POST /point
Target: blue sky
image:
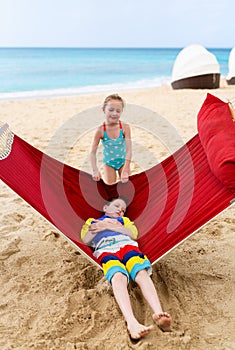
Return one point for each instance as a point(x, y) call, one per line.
point(122, 23)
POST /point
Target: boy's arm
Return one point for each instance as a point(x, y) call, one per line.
point(86, 235)
point(130, 228)
point(92, 227)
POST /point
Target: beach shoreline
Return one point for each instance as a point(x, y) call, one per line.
point(54, 298)
point(81, 91)
point(93, 90)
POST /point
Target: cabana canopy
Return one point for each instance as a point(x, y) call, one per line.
point(192, 63)
point(231, 68)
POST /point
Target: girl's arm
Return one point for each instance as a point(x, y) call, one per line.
point(126, 167)
point(95, 171)
point(127, 133)
point(232, 111)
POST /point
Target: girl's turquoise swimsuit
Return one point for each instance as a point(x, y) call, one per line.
point(114, 153)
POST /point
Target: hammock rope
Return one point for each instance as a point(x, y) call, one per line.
point(6, 140)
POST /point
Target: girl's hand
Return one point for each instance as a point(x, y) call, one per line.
point(96, 176)
point(125, 175)
point(232, 111)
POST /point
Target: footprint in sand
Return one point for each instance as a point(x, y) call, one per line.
point(11, 222)
point(12, 219)
point(9, 248)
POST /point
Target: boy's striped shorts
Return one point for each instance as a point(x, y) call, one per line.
point(129, 260)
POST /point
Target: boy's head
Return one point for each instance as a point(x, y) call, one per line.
point(115, 207)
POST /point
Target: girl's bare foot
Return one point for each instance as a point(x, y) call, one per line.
point(137, 330)
point(163, 321)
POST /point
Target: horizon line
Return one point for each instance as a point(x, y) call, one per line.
point(107, 47)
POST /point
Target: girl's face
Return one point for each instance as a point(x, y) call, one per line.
point(116, 208)
point(113, 111)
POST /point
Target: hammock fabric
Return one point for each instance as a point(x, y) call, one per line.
point(168, 202)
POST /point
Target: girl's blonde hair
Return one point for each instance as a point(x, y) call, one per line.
point(113, 97)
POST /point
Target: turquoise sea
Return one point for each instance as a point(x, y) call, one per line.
point(35, 72)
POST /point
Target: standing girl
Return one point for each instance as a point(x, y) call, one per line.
point(116, 139)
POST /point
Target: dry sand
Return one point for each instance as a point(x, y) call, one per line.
point(54, 298)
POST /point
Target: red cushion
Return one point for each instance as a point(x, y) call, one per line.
point(217, 134)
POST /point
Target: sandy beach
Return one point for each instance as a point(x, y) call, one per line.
point(52, 297)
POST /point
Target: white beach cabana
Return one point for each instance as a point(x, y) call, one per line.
point(231, 68)
point(195, 68)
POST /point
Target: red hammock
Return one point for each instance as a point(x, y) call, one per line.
point(168, 202)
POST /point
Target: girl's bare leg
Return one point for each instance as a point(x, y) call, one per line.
point(162, 319)
point(110, 176)
point(119, 285)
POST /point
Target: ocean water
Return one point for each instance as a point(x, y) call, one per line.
point(35, 72)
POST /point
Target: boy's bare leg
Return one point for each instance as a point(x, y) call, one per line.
point(135, 329)
point(162, 319)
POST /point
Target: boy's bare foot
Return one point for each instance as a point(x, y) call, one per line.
point(163, 321)
point(137, 330)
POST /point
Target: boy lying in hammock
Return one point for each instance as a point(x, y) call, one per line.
point(113, 238)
